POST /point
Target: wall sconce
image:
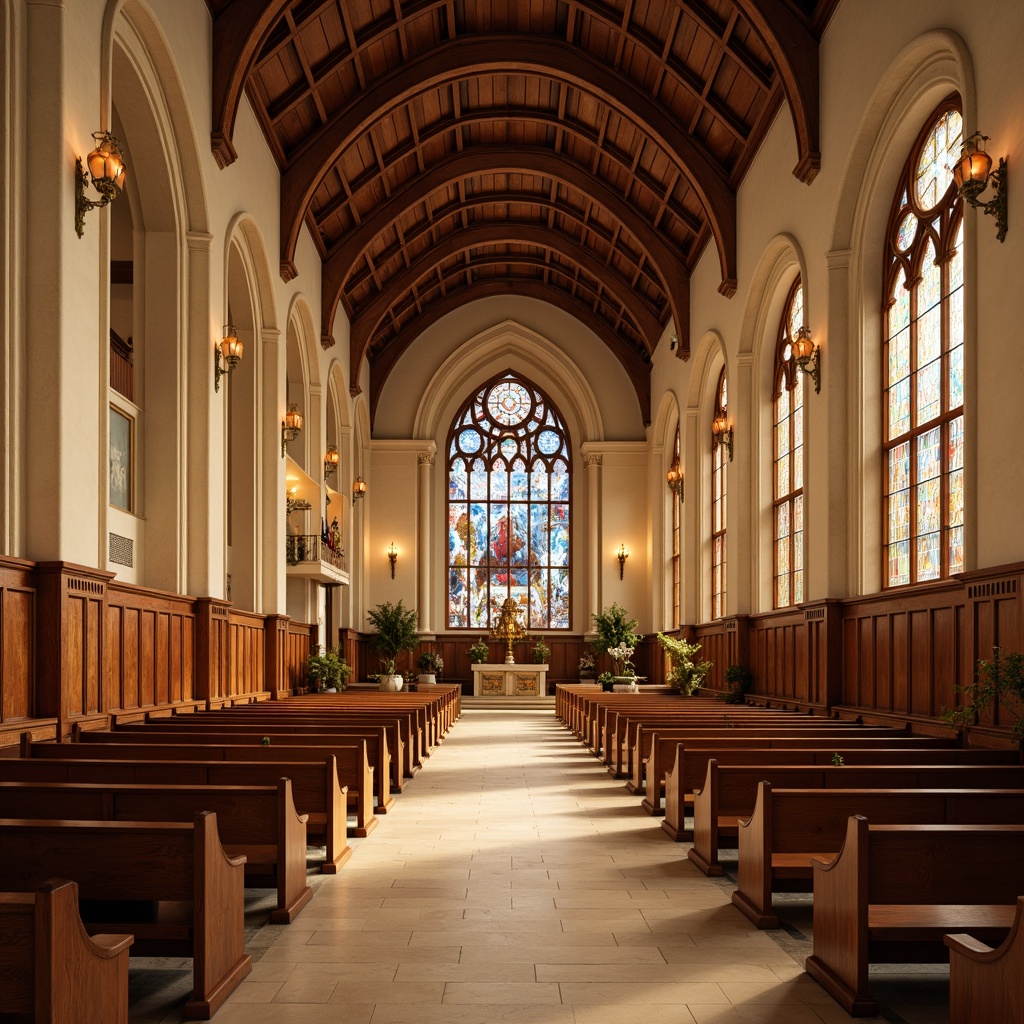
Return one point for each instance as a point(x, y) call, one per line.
point(622, 556)
point(358, 489)
point(231, 348)
point(291, 426)
point(806, 355)
point(331, 460)
point(972, 174)
point(107, 169)
point(721, 434)
point(674, 479)
point(392, 557)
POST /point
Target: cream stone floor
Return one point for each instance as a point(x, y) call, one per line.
point(515, 881)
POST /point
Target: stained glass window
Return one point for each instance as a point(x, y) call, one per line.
point(676, 524)
point(508, 508)
point(719, 494)
point(788, 458)
point(923, 363)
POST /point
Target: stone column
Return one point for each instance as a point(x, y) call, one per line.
point(424, 576)
point(593, 461)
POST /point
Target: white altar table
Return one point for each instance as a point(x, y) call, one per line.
point(504, 680)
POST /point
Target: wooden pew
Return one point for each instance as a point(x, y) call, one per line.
point(662, 749)
point(306, 717)
point(375, 739)
point(51, 971)
point(351, 763)
point(894, 892)
point(642, 749)
point(691, 765)
point(790, 827)
point(730, 786)
point(190, 892)
point(219, 723)
point(259, 823)
point(987, 984)
point(315, 788)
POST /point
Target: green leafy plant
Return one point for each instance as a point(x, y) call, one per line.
point(614, 628)
point(265, 742)
point(607, 681)
point(837, 760)
point(997, 682)
point(327, 669)
point(479, 652)
point(430, 662)
point(541, 653)
point(740, 681)
point(685, 674)
point(395, 627)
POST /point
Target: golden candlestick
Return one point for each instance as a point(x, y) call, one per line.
point(508, 629)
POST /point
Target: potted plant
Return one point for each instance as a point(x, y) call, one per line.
point(998, 683)
point(740, 681)
point(430, 664)
point(587, 667)
point(616, 632)
point(607, 681)
point(395, 631)
point(685, 674)
point(541, 652)
point(479, 652)
point(327, 670)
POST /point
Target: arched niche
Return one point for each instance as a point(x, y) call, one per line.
point(149, 302)
point(668, 509)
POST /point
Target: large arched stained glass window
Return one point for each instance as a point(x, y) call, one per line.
point(788, 476)
point(508, 508)
point(923, 363)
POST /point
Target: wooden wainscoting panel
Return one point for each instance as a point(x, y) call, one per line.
point(17, 640)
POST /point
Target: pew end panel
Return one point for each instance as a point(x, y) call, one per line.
point(987, 983)
point(705, 821)
point(51, 971)
point(221, 962)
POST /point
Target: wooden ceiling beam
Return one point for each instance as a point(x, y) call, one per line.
point(456, 167)
point(549, 203)
point(367, 318)
point(637, 370)
point(239, 32)
point(794, 51)
point(490, 54)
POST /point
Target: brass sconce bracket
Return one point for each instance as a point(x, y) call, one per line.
point(291, 427)
point(331, 460)
point(107, 168)
point(674, 480)
point(622, 555)
point(358, 489)
point(392, 558)
point(722, 435)
point(973, 174)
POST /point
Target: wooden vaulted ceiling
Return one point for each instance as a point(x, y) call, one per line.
point(581, 151)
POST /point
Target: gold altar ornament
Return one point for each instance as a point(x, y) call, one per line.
point(508, 628)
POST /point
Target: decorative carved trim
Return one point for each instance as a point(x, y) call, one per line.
point(592, 459)
point(425, 458)
point(993, 588)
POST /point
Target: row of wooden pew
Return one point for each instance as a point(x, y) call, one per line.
point(161, 824)
point(913, 846)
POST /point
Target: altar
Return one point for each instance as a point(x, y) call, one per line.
point(509, 680)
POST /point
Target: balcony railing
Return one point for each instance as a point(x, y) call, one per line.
point(309, 547)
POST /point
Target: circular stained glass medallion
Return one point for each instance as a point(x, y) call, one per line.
point(509, 403)
point(549, 442)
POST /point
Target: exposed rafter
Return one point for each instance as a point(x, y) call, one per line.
point(487, 55)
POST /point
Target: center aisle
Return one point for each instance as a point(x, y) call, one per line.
point(514, 881)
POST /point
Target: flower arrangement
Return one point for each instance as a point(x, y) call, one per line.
point(607, 681)
point(430, 662)
point(621, 656)
point(587, 666)
point(479, 652)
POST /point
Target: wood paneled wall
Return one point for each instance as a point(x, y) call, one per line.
point(79, 648)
